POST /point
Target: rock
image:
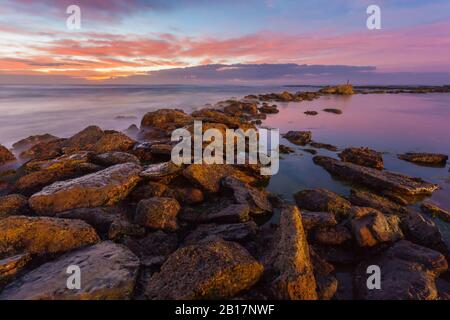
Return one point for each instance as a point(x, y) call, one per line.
point(311, 151)
point(211, 270)
point(332, 236)
point(285, 96)
point(186, 195)
point(146, 190)
point(113, 142)
point(166, 119)
point(209, 176)
point(363, 157)
point(99, 218)
point(237, 232)
point(160, 170)
point(368, 199)
point(42, 235)
point(132, 131)
point(327, 284)
point(322, 200)
point(11, 266)
point(343, 89)
point(376, 179)
point(47, 172)
point(103, 188)
point(326, 146)
point(408, 272)
point(299, 137)
point(122, 228)
point(269, 109)
point(31, 141)
point(427, 207)
point(234, 213)
point(45, 150)
point(370, 227)
point(13, 204)
point(311, 113)
point(332, 110)
point(289, 260)
point(154, 244)
point(420, 229)
point(217, 116)
point(84, 140)
point(243, 193)
point(108, 272)
point(425, 158)
point(108, 159)
point(285, 149)
point(313, 220)
point(161, 149)
point(5, 155)
point(158, 213)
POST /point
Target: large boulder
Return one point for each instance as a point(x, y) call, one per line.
point(108, 272)
point(42, 235)
point(363, 157)
point(370, 227)
point(116, 141)
point(408, 272)
point(5, 155)
point(322, 200)
point(83, 140)
point(44, 150)
point(103, 188)
point(13, 204)
point(31, 141)
point(210, 270)
point(288, 260)
point(166, 119)
point(158, 213)
point(376, 179)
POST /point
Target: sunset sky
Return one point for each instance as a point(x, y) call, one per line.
point(133, 41)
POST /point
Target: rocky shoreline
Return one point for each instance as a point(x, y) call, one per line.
point(142, 227)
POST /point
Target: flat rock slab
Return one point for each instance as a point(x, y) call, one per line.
point(41, 235)
point(103, 188)
point(108, 271)
point(363, 157)
point(211, 270)
point(425, 158)
point(435, 210)
point(376, 179)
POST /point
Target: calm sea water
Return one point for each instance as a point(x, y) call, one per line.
point(391, 124)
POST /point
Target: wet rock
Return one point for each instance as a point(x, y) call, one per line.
point(243, 193)
point(370, 227)
point(368, 199)
point(211, 270)
point(148, 189)
point(288, 260)
point(313, 220)
point(217, 116)
point(285, 149)
point(47, 172)
point(99, 218)
point(108, 159)
point(376, 179)
point(332, 110)
point(108, 272)
point(269, 109)
point(142, 152)
point(237, 232)
point(31, 141)
point(299, 137)
point(121, 227)
point(13, 204)
point(42, 235)
point(425, 158)
point(408, 272)
point(45, 150)
point(422, 230)
point(166, 119)
point(363, 157)
point(103, 188)
point(160, 170)
point(427, 207)
point(5, 155)
point(209, 176)
point(322, 200)
point(83, 140)
point(158, 213)
point(116, 141)
point(332, 236)
point(343, 89)
point(11, 266)
point(326, 146)
point(311, 113)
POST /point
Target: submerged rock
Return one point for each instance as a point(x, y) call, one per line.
point(103, 188)
point(363, 157)
point(322, 200)
point(319, 145)
point(425, 158)
point(42, 235)
point(5, 155)
point(376, 179)
point(332, 110)
point(408, 272)
point(285, 149)
point(433, 209)
point(210, 270)
point(13, 204)
point(301, 138)
point(108, 272)
point(311, 113)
